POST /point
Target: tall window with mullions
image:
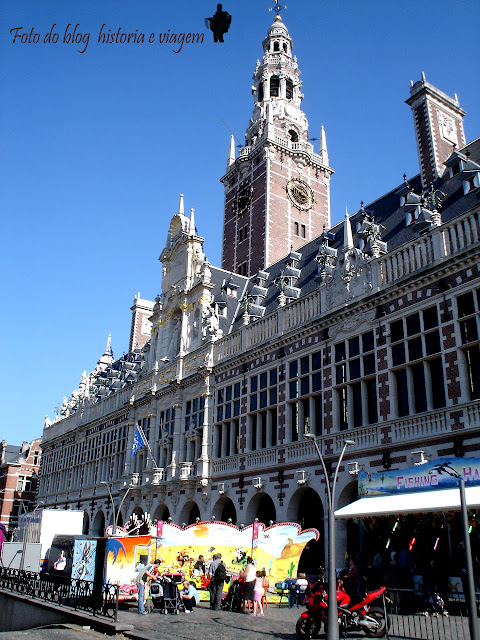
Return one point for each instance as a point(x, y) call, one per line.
point(262, 422)
point(468, 308)
point(355, 382)
point(305, 395)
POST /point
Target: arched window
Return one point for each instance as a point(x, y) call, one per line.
point(289, 89)
point(276, 46)
point(260, 92)
point(293, 135)
point(285, 48)
point(274, 86)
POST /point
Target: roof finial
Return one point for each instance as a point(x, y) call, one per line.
point(277, 9)
point(347, 233)
point(231, 151)
point(180, 206)
point(323, 153)
point(192, 230)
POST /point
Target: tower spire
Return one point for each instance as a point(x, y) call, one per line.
point(270, 212)
point(107, 357)
point(108, 348)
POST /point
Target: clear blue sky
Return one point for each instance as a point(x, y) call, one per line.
point(97, 146)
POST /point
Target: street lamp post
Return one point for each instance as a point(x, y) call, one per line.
point(116, 513)
point(332, 614)
point(470, 584)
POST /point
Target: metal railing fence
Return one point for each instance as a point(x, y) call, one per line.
point(83, 595)
point(420, 616)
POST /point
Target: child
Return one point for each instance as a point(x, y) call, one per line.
point(265, 585)
point(258, 594)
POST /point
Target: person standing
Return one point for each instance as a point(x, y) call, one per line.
point(249, 576)
point(143, 574)
point(258, 594)
point(265, 585)
point(217, 572)
point(298, 590)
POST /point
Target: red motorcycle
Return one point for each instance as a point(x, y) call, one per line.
point(350, 616)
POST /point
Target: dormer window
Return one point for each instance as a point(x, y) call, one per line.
point(471, 183)
point(276, 46)
point(274, 86)
point(455, 168)
point(289, 89)
point(412, 215)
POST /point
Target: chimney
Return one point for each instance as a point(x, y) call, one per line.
point(438, 121)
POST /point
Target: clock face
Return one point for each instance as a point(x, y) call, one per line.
point(300, 194)
point(243, 198)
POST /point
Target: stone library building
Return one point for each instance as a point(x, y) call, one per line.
point(306, 336)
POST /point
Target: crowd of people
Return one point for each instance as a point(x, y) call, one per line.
point(369, 569)
point(253, 583)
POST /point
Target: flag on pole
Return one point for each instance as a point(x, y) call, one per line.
point(138, 442)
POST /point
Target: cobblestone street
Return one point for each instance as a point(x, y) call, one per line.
point(278, 622)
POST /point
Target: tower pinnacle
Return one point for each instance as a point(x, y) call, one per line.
point(231, 151)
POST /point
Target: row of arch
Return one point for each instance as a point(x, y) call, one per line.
point(304, 507)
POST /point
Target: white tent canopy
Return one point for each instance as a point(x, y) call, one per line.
point(410, 502)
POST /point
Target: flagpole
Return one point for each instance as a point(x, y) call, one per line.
point(147, 445)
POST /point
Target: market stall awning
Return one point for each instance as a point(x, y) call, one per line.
point(410, 502)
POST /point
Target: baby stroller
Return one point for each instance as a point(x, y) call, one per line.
point(165, 595)
point(435, 605)
point(233, 599)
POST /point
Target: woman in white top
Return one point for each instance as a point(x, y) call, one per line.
point(249, 576)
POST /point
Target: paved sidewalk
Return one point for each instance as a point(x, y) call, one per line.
point(204, 624)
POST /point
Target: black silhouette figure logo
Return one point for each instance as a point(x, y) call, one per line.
point(219, 23)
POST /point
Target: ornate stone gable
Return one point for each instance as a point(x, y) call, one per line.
point(352, 278)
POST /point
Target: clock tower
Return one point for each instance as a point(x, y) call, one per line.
point(277, 191)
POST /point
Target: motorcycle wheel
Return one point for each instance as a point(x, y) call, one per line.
point(307, 629)
point(381, 629)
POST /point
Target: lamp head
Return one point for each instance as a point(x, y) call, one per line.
point(350, 442)
point(309, 436)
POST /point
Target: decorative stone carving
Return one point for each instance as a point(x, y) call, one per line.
point(325, 257)
point(448, 130)
point(351, 323)
point(372, 235)
point(352, 278)
point(210, 323)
